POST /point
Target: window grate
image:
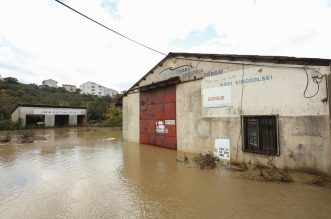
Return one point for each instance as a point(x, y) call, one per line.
point(260, 134)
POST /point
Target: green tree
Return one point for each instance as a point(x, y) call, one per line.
point(12, 93)
point(10, 80)
point(114, 116)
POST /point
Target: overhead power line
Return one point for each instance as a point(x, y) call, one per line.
point(108, 28)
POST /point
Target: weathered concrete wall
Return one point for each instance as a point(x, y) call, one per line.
point(72, 119)
point(49, 120)
point(131, 117)
point(15, 115)
point(193, 132)
point(304, 140)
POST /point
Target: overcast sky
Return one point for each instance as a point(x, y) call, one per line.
point(41, 39)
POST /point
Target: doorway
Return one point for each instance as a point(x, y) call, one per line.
point(158, 117)
point(61, 120)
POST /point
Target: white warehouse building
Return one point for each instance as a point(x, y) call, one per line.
point(246, 108)
point(96, 89)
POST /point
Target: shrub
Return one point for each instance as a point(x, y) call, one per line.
point(114, 116)
point(7, 125)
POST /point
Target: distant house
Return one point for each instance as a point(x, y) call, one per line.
point(96, 89)
point(69, 87)
point(50, 83)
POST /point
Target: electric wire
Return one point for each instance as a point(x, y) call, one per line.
point(211, 61)
point(241, 107)
point(108, 28)
point(320, 80)
point(202, 60)
point(316, 71)
point(196, 67)
point(315, 80)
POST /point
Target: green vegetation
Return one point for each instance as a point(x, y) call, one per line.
point(113, 116)
point(100, 110)
point(7, 124)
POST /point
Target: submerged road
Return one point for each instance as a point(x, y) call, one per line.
point(93, 173)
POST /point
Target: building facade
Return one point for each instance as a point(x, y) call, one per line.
point(244, 108)
point(28, 115)
point(69, 87)
point(50, 83)
point(96, 89)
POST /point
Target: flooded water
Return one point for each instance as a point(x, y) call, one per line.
point(93, 173)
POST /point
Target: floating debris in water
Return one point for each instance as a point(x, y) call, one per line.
point(241, 167)
point(39, 138)
point(271, 173)
point(26, 137)
point(183, 160)
point(320, 181)
point(209, 161)
point(5, 139)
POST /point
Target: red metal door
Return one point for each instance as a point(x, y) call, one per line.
point(158, 117)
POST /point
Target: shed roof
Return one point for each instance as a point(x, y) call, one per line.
point(289, 60)
point(46, 106)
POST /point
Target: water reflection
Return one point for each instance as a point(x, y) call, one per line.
point(93, 173)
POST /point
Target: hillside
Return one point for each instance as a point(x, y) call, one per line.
point(99, 109)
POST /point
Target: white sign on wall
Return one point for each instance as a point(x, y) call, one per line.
point(222, 148)
point(55, 111)
point(216, 97)
point(170, 122)
point(160, 127)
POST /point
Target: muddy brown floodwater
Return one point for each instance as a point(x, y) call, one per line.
point(93, 173)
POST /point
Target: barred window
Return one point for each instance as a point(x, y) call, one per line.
point(260, 134)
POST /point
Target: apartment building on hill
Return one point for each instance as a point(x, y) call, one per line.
point(96, 89)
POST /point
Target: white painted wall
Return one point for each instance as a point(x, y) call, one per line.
point(282, 94)
point(49, 120)
point(69, 88)
point(131, 121)
point(50, 83)
point(72, 120)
